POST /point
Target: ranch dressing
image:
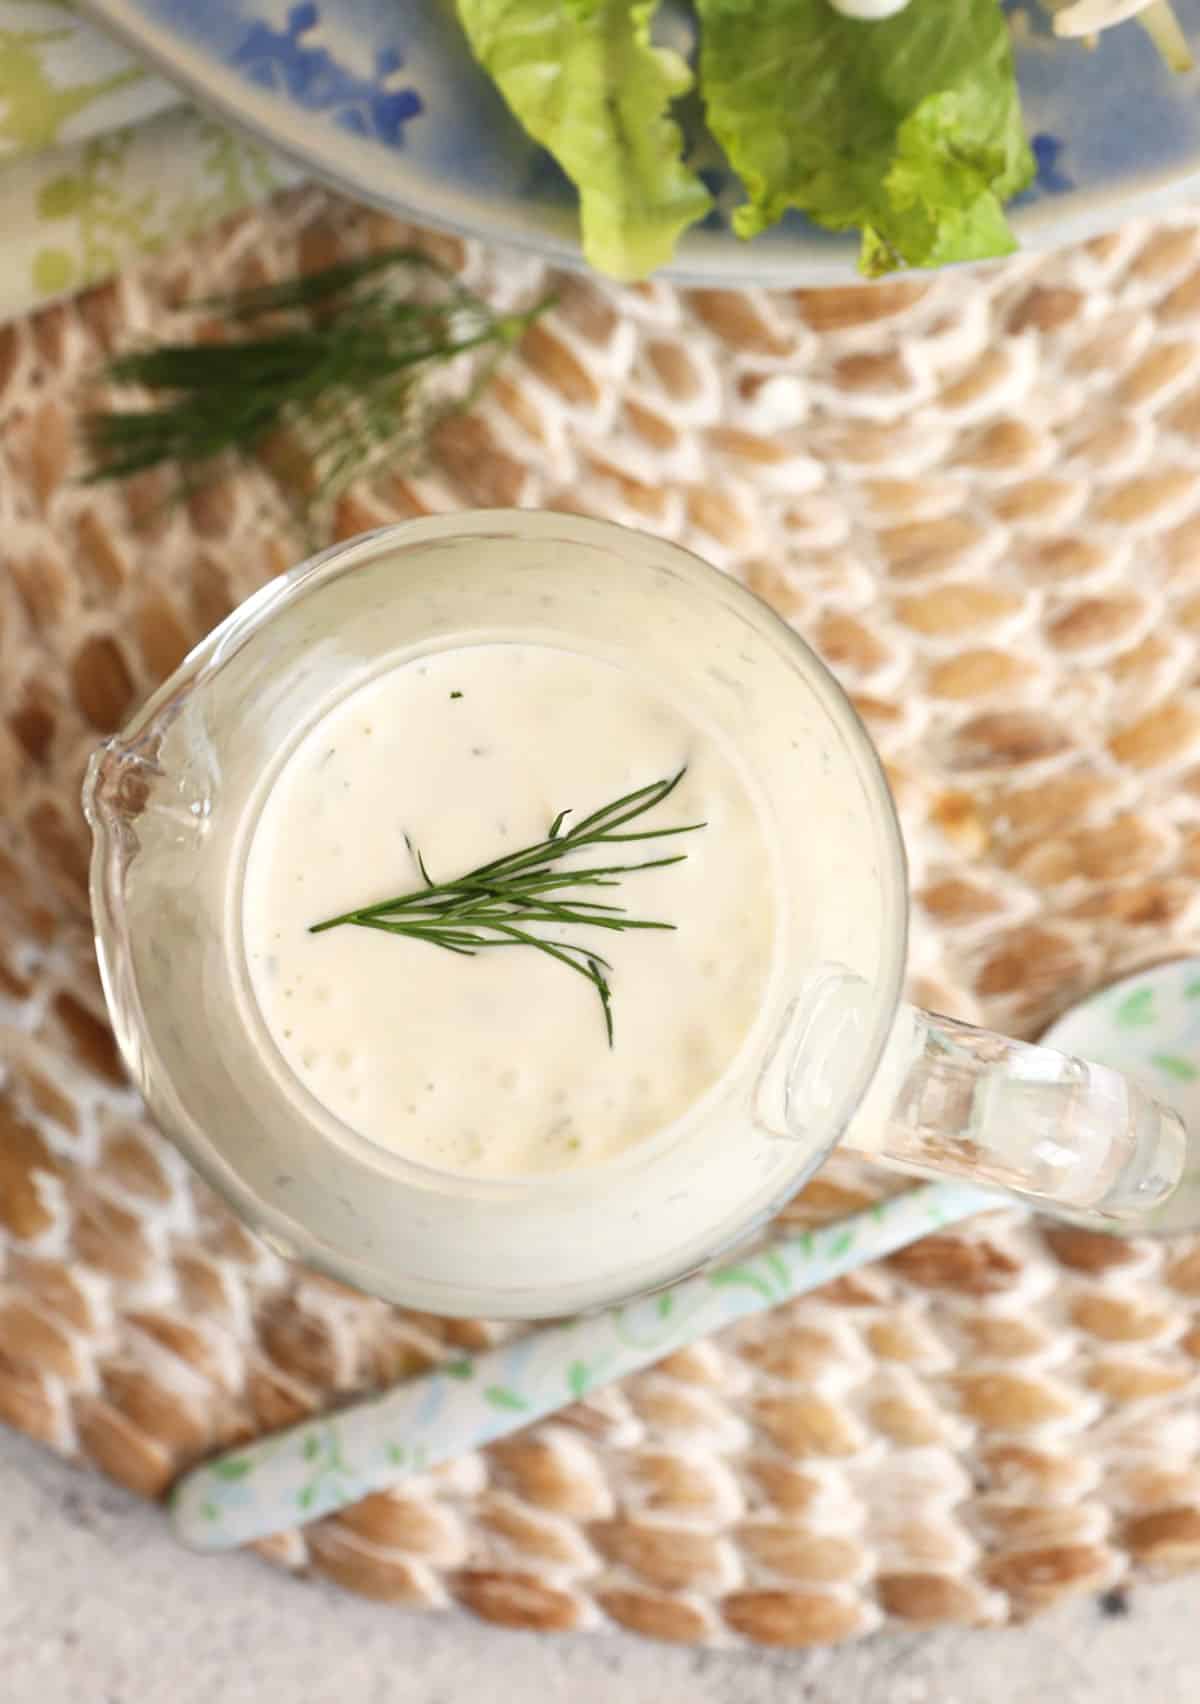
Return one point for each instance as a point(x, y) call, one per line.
point(690, 666)
point(868, 10)
point(499, 1065)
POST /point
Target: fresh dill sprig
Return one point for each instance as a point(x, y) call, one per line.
point(499, 903)
point(340, 360)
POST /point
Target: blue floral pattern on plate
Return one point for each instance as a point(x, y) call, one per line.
point(294, 65)
point(382, 97)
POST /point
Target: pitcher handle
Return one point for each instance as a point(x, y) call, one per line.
point(949, 1099)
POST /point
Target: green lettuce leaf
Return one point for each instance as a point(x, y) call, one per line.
point(908, 127)
point(584, 80)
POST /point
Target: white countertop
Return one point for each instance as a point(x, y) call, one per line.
point(98, 1605)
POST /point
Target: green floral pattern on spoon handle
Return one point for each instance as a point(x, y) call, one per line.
point(1148, 1026)
point(325, 1464)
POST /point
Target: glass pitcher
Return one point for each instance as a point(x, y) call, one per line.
point(834, 1054)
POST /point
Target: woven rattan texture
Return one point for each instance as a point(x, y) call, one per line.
point(980, 498)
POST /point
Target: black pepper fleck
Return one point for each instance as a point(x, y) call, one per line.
point(1114, 1604)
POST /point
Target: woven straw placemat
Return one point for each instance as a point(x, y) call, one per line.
point(979, 496)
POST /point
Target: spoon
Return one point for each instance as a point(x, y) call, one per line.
point(327, 1463)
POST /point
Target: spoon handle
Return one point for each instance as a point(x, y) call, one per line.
point(325, 1464)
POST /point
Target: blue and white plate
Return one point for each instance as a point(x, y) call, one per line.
point(381, 97)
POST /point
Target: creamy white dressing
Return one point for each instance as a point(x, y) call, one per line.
point(1089, 17)
point(1078, 18)
point(870, 9)
point(498, 1065)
